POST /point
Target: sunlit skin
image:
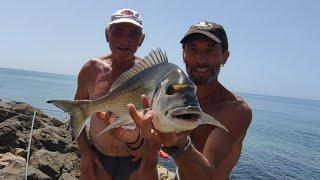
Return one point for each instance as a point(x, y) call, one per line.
point(124, 41)
point(214, 152)
point(95, 80)
point(203, 59)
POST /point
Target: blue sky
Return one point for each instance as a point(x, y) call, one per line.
point(274, 44)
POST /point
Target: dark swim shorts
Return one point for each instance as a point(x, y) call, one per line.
point(119, 168)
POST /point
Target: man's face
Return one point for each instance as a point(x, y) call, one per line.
point(124, 40)
point(203, 58)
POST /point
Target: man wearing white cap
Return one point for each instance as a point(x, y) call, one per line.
point(106, 157)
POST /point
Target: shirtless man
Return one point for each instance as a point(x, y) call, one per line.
point(213, 152)
point(106, 157)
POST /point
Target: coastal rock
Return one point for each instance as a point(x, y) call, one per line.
point(52, 155)
point(19, 152)
point(67, 176)
point(9, 158)
point(16, 171)
point(54, 163)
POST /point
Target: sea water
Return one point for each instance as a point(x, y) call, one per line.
point(283, 141)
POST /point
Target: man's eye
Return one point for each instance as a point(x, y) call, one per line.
point(116, 34)
point(134, 35)
point(193, 50)
point(211, 51)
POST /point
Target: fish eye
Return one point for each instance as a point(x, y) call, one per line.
point(170, 90)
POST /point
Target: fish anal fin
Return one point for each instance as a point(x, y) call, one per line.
point(208, 119)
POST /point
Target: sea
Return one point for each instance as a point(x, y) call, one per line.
point(282, 142)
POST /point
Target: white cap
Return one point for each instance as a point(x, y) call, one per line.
point(126, 15)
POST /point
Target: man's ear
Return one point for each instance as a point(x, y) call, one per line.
point(142, 39)
point(225, 56)
point(183, 56)
point(106, 33)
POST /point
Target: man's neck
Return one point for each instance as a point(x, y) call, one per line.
point(122, 64)
point(205, 91)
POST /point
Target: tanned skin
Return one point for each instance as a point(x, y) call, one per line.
point(214, 152)
point(94, 81)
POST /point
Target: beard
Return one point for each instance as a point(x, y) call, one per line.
point(214, 72)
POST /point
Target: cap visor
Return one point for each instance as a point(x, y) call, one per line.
point(209, 35)
point(126, 20)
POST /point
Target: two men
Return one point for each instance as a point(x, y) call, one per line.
point(211, 152)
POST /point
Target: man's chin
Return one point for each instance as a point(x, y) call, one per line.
point(199, 81)
point(125, 55)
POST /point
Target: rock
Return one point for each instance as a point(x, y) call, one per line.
point(54, 139)
point(10, 158)
point(13, 167)
point(17, 172)
point(11, 136)
point(19, 152)
point(26, 109)
point(52, 155)
point(165, 174)
point(55, 163)
point(66, 176)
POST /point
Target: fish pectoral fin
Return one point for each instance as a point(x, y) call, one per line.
point(207, 119)
point(131, 125)
point(123, 121)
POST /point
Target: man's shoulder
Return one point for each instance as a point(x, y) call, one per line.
point(235, 113)
point(235, 103)
point(96, 63)
point(93, 62)
point(239, 116)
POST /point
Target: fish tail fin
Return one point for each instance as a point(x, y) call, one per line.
point(207, 119)
point(79, 112)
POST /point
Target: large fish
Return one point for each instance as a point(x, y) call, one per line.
point(172, 93)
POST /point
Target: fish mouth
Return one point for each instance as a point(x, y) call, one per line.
point(189, 113)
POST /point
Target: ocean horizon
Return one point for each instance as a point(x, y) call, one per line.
point(282, 141)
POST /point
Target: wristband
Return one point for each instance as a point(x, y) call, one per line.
point(176, 151)
point(129, 143)
point(135, 148)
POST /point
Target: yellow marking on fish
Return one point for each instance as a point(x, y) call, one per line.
point(180, 87)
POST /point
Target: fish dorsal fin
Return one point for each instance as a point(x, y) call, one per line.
point(155, 57)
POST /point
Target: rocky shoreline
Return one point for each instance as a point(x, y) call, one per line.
point(52, 156)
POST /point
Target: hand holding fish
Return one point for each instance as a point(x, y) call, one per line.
point(149, 133)
point(122, 134)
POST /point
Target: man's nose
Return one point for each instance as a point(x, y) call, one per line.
point(124, 39)
point(201, 58)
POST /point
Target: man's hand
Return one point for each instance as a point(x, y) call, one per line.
point(124, 135)
point(144, 122)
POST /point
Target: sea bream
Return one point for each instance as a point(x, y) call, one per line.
point(172, 94)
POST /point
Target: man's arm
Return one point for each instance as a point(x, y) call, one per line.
point(81, 94)
point(193, 165)
point(90, 165)
point(221, 151)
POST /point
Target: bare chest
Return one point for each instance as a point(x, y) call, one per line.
point(200, 135)
point(102, 81)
